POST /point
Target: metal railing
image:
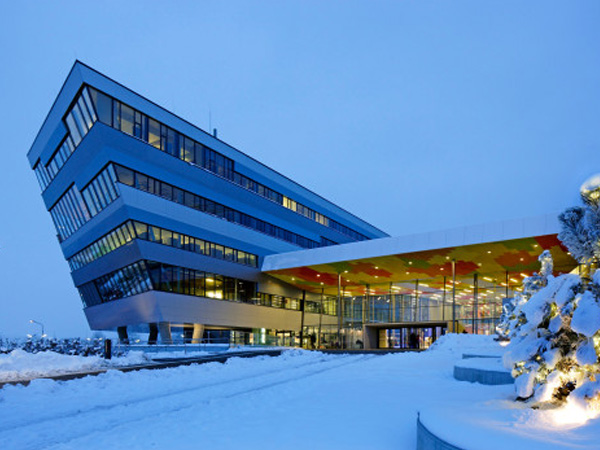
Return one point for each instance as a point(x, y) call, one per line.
point(211, 342)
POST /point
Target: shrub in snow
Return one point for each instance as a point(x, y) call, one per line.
point(80, 347)
point(554, 326)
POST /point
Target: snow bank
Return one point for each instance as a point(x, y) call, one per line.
point(473, 344)
point(19, 365)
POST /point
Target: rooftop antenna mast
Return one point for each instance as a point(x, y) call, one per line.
point(214, 130)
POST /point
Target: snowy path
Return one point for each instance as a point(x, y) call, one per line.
point(69, 419)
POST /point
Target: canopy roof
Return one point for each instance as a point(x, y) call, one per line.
point(401, 261)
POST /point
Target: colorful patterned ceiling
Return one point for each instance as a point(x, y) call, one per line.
point(518, 257)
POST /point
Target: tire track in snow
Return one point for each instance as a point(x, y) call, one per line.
point(37, 430)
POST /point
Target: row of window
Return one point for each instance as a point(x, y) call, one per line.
point(114, 239)
point(118, 115)
point(130, 280)
point(128, 120)
point(172, 193)
point(137, 230)
point(101, 191)
point(192, 244)
point(75, 208)
point(69, 213)
point(180, 280)
point(79, 121)
point(149, 275)
point(327, 305)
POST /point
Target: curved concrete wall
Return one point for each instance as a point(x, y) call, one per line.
point(426, 440)
point(490, 377)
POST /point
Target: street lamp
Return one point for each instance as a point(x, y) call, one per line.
point(40, 324)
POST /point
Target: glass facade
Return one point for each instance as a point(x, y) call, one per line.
point(143, 276)
point(153, 186)
point(137, 230)
point(73, 210)
point(125, 282)
point(128, 120)
point(476, 308)
point(326, 305)
point(101, 191)
point(79, 121)
point(181, 280)
point(106, 244)
point(69, 213)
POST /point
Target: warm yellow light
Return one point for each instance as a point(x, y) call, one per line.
point(524, 275)
point(571, 415)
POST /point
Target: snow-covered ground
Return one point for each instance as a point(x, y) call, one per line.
point(298, 400)
point(21, 365)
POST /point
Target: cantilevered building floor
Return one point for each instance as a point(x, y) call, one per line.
point(164, 225)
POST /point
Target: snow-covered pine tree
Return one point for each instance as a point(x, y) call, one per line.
point(555, 331)
point(512, 315)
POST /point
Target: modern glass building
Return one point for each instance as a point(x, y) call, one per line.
point(167, 228)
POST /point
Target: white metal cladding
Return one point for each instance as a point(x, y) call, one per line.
point(455, 237)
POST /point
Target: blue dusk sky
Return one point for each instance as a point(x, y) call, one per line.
point(414, 115)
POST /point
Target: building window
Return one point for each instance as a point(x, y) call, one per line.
point(79, 120)
point(69, 213)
